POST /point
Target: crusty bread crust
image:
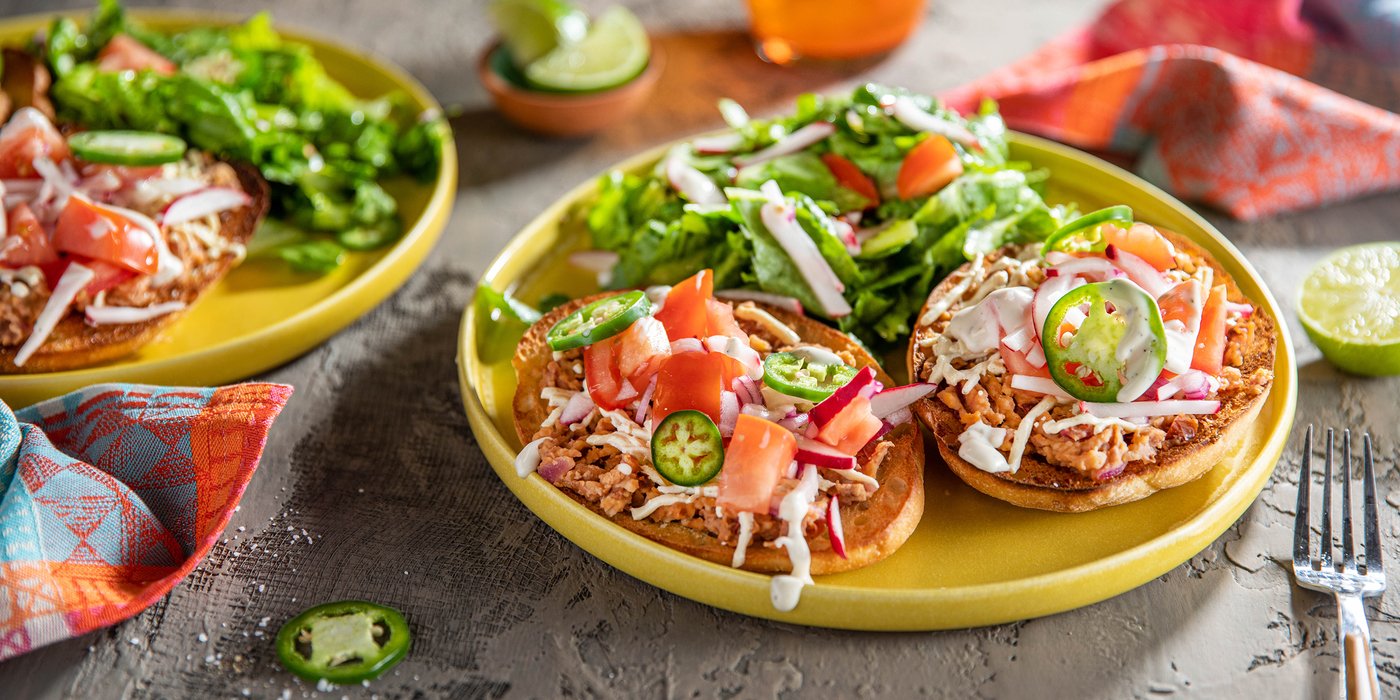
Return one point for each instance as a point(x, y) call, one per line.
point(873, 529)
point(1039, 484)
point(75, 344)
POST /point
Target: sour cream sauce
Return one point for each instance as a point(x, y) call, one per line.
point(980, 327)
point(786, 589)
point(978, 445)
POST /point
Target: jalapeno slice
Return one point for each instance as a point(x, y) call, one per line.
point(805, 377)
point(345, 642)
point(602, 319)
point(1104, 342)
point(1082, 234)
point(687, 448)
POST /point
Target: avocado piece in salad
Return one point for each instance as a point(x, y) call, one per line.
point(883, 256)
point(246, 93)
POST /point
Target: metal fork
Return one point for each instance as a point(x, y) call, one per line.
point(1347, 580)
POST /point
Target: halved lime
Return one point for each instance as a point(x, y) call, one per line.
point(533, 28)
point(1350, 306)
point(615, 51)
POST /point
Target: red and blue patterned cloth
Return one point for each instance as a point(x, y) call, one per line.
point(1256, 107)
point(111, 495)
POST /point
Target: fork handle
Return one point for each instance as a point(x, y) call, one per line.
point(1358, 666)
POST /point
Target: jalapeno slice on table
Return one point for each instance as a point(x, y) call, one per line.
point(1082, 234)
point(1104, 342)
point(687, 448)
point(602, 319)
point(805, 377)
point(345, 642)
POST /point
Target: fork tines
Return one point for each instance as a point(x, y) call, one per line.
point(1302, 533)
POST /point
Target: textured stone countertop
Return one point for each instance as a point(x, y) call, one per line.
point(372, 485)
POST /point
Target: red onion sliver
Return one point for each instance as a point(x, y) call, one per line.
point(692, 184)
point(578, 408)
point(911, 115)
point(646, 401)
point(728, 412)
point(556, 468)
point(792, 143)
point(203, 203)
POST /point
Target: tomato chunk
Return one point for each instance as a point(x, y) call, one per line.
point(1016, 363)
point(684, 314)
point(720, 321)
point(928, 168)
point(125, 53)
point(757, 456)
point(1209, 356)
point(606, 386)
point(97, 232)
point(27, 136)
point(850, 177)
point(690, 380)
point(1143, 241)
point(851, 427)
point(641, 350)
point(34, 247)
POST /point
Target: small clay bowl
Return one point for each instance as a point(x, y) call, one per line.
point(569, 114)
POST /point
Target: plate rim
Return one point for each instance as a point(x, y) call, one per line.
point(325, 317)
point(855, 607)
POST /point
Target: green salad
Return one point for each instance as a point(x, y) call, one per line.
point(245, 93)
point(892, 190)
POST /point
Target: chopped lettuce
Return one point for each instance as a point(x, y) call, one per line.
point(995, 202)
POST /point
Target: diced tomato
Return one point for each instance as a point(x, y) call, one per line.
point(688, 381)
point(27, 136)
point(684, 313)
point(125, 53)
point(1182, 303)
point(34, 246)
point(97, 232)
point(757, 456)
point(928, 168)
point(1016, 363)
point(1143, 241)
point(605, 382)
point(850, 177)
point(641, 349)
point(720, 321)
point(1210, 342)
point(846, 428)
point(105, 274)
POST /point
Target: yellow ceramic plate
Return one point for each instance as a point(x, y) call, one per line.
point(263, 314)
point(973, 560)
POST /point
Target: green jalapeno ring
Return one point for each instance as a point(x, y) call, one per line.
point(349, 650)
point(1095, 346)
point(687, 448)
point(1063, 238)
point(599, 320)
point(796, 376)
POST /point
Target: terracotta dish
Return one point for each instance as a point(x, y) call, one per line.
point(566, 114)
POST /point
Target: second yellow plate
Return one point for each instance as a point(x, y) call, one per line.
point(973, 560)
point(263, 314)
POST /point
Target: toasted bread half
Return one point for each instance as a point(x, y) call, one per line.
point(873, 529)
point(1039, 484)
point(75, 344)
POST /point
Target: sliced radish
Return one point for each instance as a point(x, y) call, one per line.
point(627, 391)
point(823, 455)
point(796, 423)
point(778, 300)
point(1019, 339)
point(103, 315)
point(645, 402)
point(203, 203)
point(1036, 356)
point(899, 417)
point(1139, 271)
point(728, 413)
point(1056, 257)
point(792, 143)
point(1046, 295)
point(1039, 385)
point(578, 408)
point(889, 401)
point(833, 526)
point(691, 183)
point(911, 115)
point(719, 143)
point(781, 221)
point(847, 236)
point(1148, 409)
point(1096, 269)
point(863, 382)
point(594, 260)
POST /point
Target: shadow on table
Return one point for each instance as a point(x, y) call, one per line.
point(701, 67)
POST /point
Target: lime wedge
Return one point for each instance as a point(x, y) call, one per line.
point(533, 28)
point(1350, 307)
point(615, 51)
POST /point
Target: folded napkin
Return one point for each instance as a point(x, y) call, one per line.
point(1209, 96)
point(111, 495)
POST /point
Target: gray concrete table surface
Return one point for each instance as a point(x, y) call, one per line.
point(372, 485)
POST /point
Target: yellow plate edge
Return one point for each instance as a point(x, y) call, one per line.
point(292, 337)
point(856, 608)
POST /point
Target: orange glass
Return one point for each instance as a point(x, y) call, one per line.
point(786, 30)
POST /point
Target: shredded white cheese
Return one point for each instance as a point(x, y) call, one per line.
point(624, 443)
point(553, 417)
point(748, 312)
point(706, 491)
point(556, 396)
